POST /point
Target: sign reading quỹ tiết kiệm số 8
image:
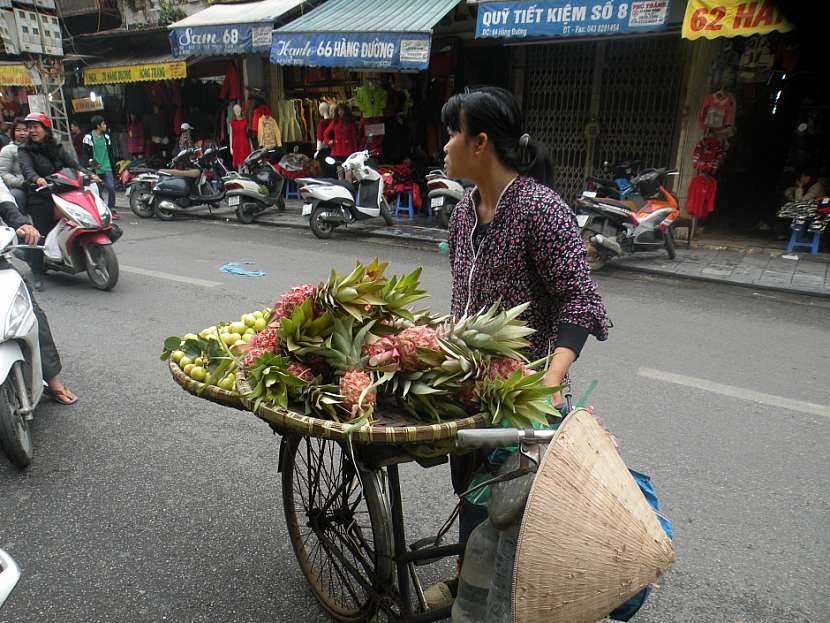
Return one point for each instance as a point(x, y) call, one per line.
point(135, 73)
point(709, 19)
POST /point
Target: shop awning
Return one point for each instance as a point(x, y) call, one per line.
point(15, 75)
point(135, 69)
point(709, 19)
point(362, 34)
point(558, 18)
point(224, 29)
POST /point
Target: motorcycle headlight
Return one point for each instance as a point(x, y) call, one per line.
point(78, 215)
point(19, 310)
point(103, 210)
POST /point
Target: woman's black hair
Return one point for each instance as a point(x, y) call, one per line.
point(19, 121)
point(495, 112)
point(348, 112)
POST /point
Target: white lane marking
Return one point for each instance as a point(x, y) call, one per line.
point(737, 392)
point(170, 277)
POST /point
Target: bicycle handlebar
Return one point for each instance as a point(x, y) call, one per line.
point(501, 437)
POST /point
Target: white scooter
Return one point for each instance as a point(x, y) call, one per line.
point(21, 379)
point(329, 203)
point(444, 194)
point(9, 575)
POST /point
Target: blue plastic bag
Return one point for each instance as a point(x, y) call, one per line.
point(627, 610)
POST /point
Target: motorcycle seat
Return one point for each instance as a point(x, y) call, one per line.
point(628, 205)
point(194, 173)
point(335, 182)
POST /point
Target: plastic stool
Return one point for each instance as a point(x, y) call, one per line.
point(797, 241)
point(408, 207)
point(291, 194)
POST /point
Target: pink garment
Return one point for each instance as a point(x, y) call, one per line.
point(230, 87)
point(717, 111)
point(135, 137)
point(240, 143)
point(344, 134)
point(700, 200)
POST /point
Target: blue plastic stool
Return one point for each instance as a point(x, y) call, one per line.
point(407, 207)
point(797, 241)
point(291, 194)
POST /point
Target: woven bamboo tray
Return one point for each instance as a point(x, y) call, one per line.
point(208, 392)
point(386, 429)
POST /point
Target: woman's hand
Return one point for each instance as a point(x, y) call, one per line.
point(41, 182)
point(96, 179)
point(29, 234)
point(560, 363)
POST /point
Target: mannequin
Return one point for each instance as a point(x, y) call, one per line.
point(325, 122)
point(240, 144)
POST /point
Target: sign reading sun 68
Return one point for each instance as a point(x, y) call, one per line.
point(732, 18)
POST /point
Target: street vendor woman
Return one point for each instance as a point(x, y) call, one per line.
point(512, 238)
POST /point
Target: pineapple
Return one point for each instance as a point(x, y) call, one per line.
point(355, 294)
point(292, 299)
point(410, 343)
point(493, 332)
point(522, 400)
point(271, 382)
point(302, 333)
point(356, 390)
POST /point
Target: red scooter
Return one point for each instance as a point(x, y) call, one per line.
point(83, 236)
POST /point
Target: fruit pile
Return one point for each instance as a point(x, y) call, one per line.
point(353, 344)
point(211, 357)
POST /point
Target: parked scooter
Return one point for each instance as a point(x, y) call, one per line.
point(21, 379)
point(83, 236)
point(616, 182)
point(181, 189)
point(9, 575)
point(329, 203)
point(643, 222)
point(140, 193)
point(258, 188)
point(444, 194)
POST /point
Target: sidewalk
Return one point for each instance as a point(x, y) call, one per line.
point(718, 262)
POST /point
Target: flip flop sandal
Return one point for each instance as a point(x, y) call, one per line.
point(61, 398)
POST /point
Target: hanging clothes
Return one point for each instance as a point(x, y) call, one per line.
point(135, 137)
point(700, 201)
point(717, 112)
point(230, 87)
point(257, 114)
point(344, 136)
point(708, 155)
point(371, 99)
point(268, 132)
point(239, 139)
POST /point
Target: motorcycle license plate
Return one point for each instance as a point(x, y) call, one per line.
point(581, 219)
point(306, 209)
point(436, 202)
point(590, 194)
point(233, 201)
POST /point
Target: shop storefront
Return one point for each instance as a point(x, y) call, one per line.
point(369, 66)
point(600, 81)
point(142, 98)
point(760, 117)
point(234, 41)
point(16, 85)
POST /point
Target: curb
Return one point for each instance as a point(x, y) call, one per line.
point(754, 286)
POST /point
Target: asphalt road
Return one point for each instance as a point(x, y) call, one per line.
point(146, 504)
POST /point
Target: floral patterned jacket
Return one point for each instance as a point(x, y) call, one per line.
point(533, 252)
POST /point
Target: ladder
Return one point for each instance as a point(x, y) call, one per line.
point(50, 71)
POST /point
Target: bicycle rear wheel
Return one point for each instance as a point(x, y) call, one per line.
point(341, 531)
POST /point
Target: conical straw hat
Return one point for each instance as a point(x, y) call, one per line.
point(589, 540)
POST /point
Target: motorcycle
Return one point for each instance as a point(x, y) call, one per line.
point(258, 188)
point(444, 194)
point(21, 379)
point(83, 236)
point(9, 575)
point(140, 193)
point(178, 190)
point(642, 222)
point(329, 203)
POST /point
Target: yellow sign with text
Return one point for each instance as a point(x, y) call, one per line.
point(709, 19)
point(15, 76)
point(135, 73)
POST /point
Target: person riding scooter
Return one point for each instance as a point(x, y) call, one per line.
point(40, 157)
point(49, 357)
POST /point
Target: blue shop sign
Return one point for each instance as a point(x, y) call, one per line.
point(221, 40)
point(390, 50)
point(558, 18)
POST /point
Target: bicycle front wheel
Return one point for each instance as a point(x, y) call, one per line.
point(340, 526)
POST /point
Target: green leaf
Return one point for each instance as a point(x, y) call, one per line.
point(172, 343)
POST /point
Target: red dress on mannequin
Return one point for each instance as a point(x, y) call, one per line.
point(239, 141)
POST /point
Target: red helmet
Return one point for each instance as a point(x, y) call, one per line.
point(40, 118)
